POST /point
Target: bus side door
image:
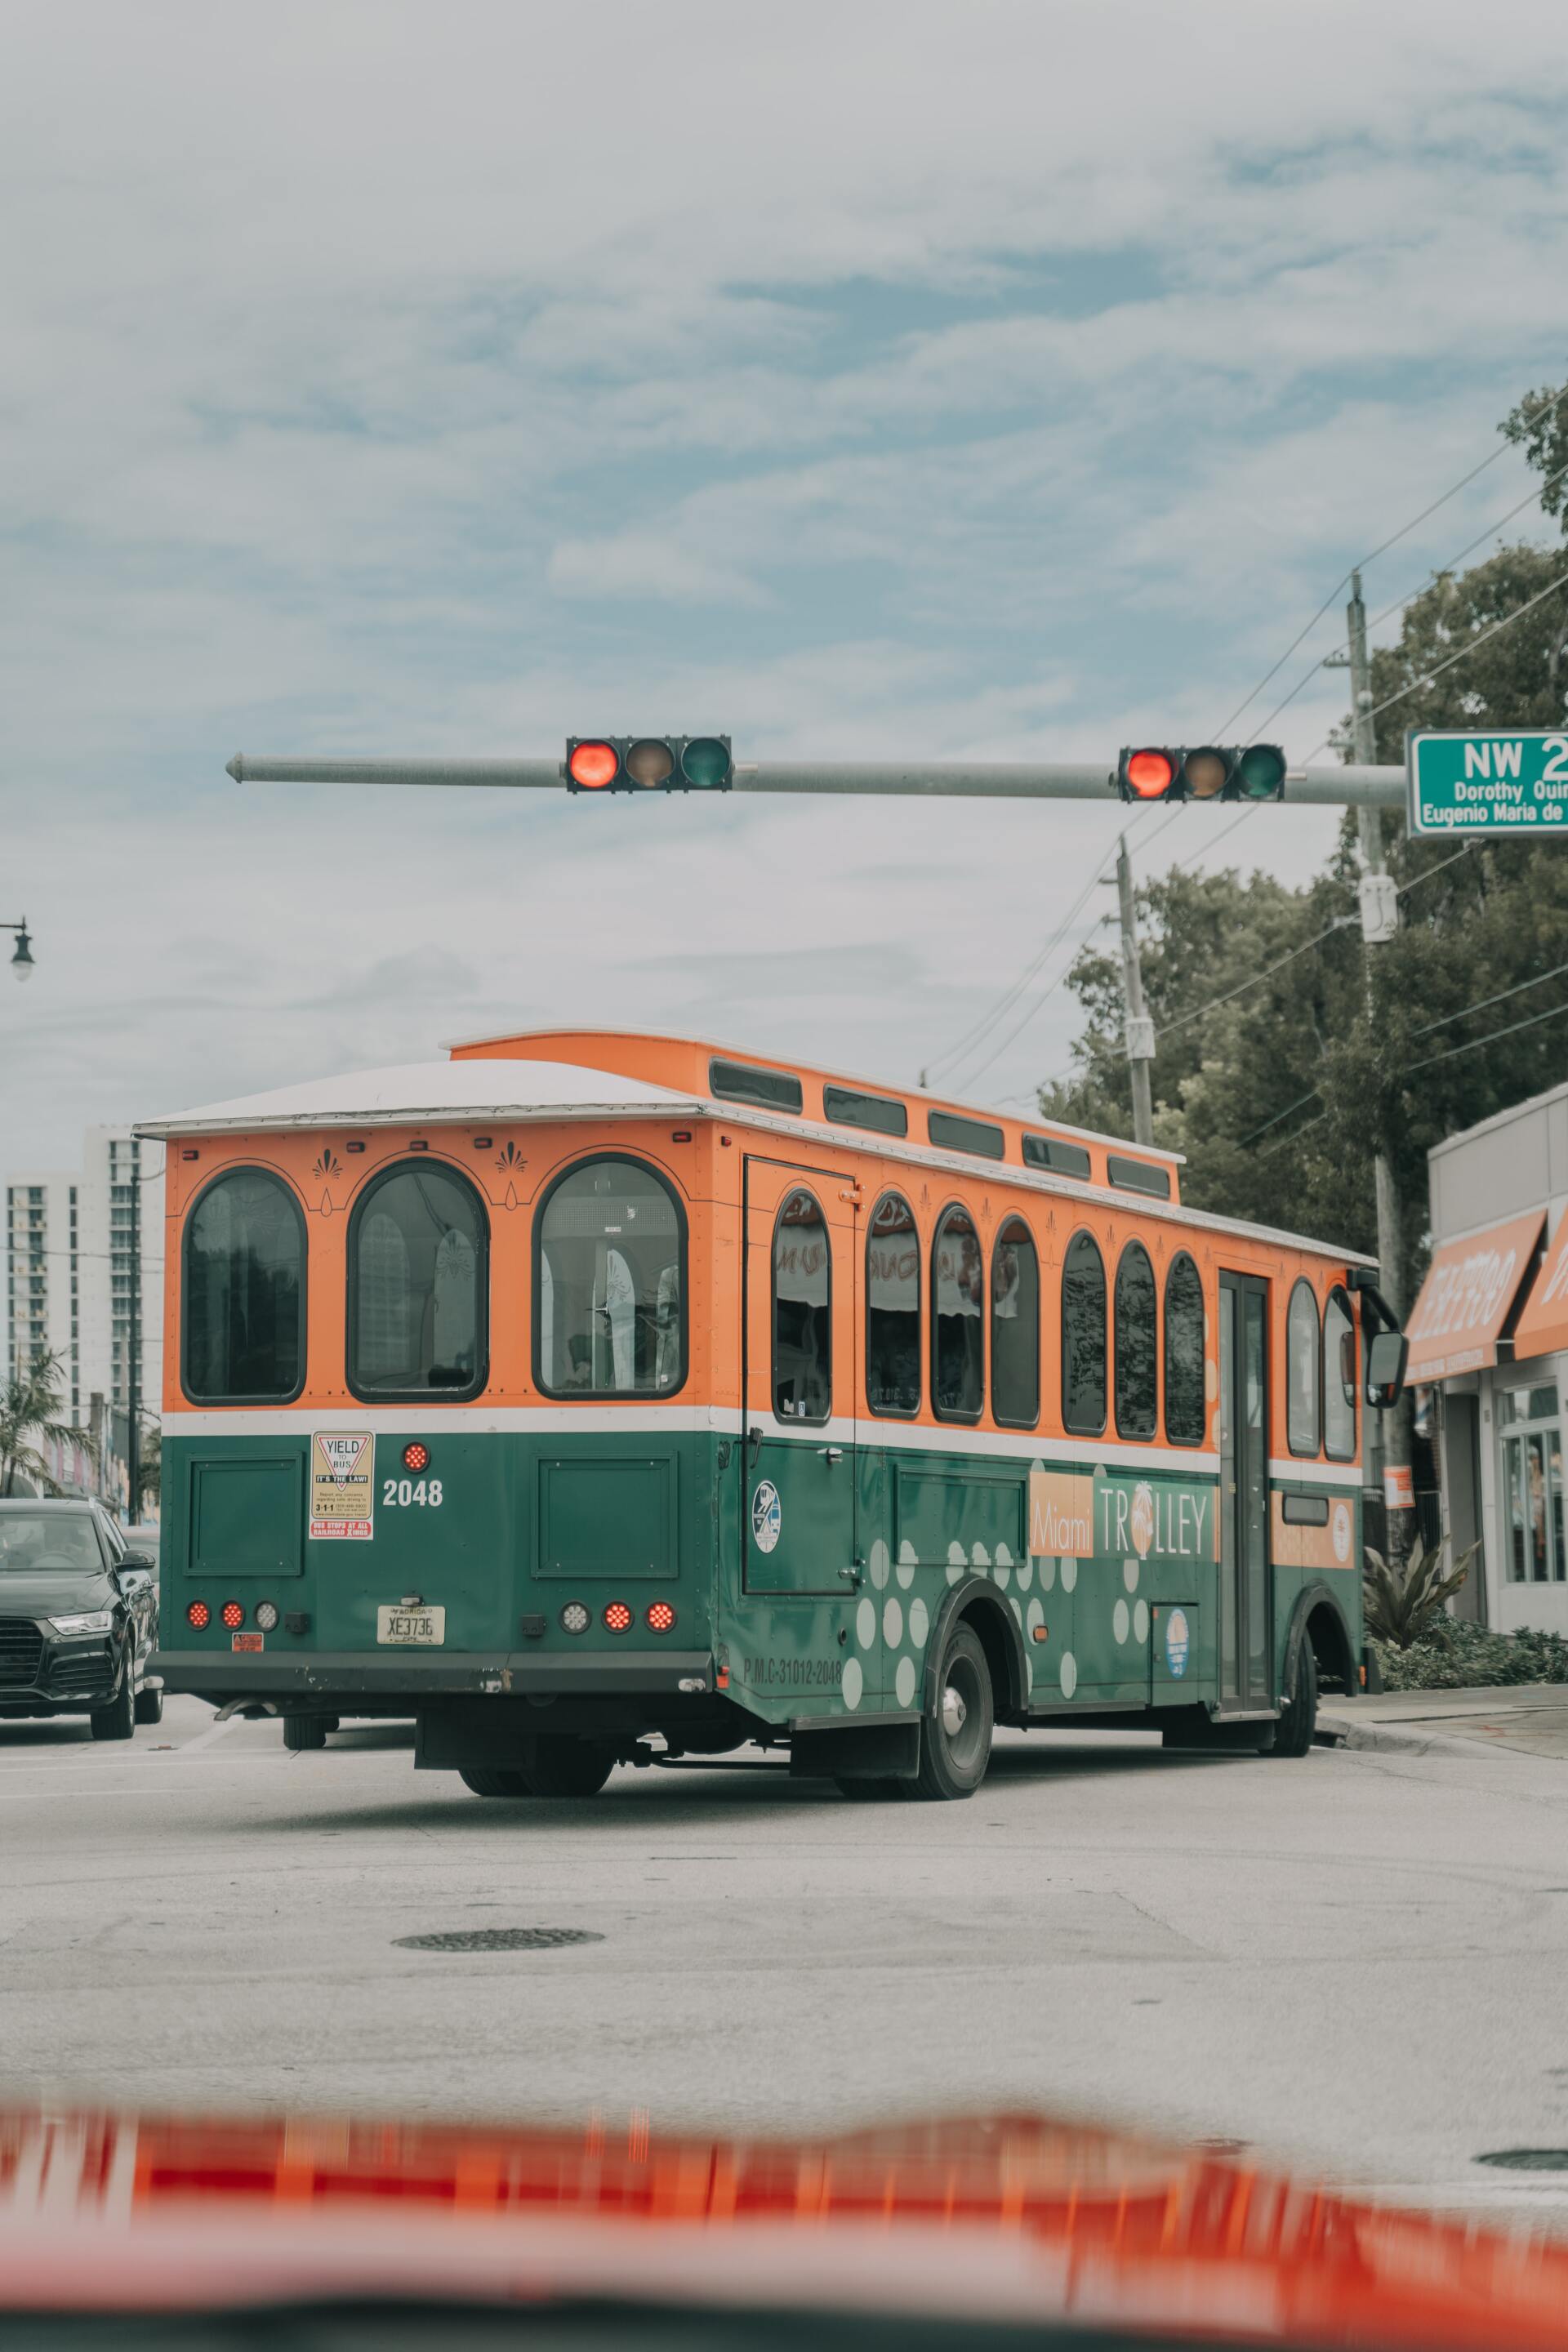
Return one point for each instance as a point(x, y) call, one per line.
point(800, 1309)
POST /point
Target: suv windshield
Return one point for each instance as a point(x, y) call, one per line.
point(42, 1538)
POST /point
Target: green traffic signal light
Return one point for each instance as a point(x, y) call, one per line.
point(706, 764)
point(1260, 770)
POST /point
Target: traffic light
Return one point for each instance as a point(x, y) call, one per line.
point(649, 764)
point(1235, 772)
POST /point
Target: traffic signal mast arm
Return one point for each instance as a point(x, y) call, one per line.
point(1373, 787)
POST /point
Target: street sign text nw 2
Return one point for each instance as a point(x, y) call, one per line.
point(1486, 784)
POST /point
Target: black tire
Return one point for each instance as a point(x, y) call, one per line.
point(955, 1744)
point(149, 1706)
point(561, 1766)
point(1299, 1716)
point(497, 1784)
point(117, 1719)
point(304, 1731)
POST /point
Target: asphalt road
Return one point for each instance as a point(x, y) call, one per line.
point(1355, 1961)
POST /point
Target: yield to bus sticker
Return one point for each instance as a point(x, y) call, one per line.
point(1178, 1642)
point(767, 1515)
point(342, 1476)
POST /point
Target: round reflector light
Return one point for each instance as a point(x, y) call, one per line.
point(659, 1617)
point(1206, 774)
point(415, 1457)
point(1262, 771)
point(618, 1617)
point(705, 762)
point(594, 765)
point(650, 762)
point(267, 1616)
point(576, 1617)
point(198, 1615)
point(1150, 773)
point(234, 1615)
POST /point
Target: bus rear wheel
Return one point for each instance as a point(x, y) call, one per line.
point(303, 1732)
point(496, 1783)
point(563, 1765)
point(955, 1745)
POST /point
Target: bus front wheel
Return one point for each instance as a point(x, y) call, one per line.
point(1299, 1716)
point(955, 1745)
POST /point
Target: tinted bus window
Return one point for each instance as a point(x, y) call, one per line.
point(1137, 1344)
point(1338, 1379)
point(1015, 1328)
point(851, 1108)
point(955, 1134)
point(1139, 1176)
point(803, 1312)
point(957, 1319)
point(769, 1089)
point(1303, 1371)
point(244, 1292)
point(893, 1308)
point(418, 1247)
point(1061, 1159)
point(609, 1284)
point(1083, 1338)
point(1185, 1395)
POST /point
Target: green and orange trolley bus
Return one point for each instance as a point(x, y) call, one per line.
point(595, 1396)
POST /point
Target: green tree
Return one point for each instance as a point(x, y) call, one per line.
point(31, 1404)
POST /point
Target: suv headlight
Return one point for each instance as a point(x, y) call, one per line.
point(96, 1620)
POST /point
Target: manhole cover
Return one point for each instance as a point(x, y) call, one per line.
point(1527, 2159)
point(498, 1939)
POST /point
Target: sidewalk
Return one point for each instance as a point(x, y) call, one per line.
point(1529, 1716)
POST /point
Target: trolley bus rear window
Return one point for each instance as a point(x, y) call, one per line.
point(610, 1283)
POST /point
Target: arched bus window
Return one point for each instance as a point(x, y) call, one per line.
point(957, 1319)
point(1015, 1327)
point(1338, 1379)
point(242, 1294)
point(418, 1253)
point(1303, 1371)
point(1137, 1344)
point(1083, 1338)
point(1187, 1402)
point(609, 1282)
point(803, 1311)
point(892, 1308)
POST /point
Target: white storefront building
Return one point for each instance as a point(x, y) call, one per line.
point(1488, 1336)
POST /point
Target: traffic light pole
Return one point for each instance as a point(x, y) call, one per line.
point(1379, 924)
point(1136, 1022)
point(1359, 786)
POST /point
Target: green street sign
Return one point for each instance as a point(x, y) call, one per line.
point(1486, 784)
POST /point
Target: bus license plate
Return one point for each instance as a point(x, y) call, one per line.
point(411, 1628)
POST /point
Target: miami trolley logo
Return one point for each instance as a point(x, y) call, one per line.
point(767, 1515)
point(1178, 1643)
point(1142, 1520)
point(342, 1484)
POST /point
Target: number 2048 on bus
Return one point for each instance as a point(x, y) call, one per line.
point(600, 1397)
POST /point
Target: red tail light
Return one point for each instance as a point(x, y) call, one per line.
point(198, 1615)
point(658, 1617)
point(234, 1615)
point(618, 1617)
point(415, 1457)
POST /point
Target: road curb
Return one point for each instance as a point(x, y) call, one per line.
point(1388, 1739)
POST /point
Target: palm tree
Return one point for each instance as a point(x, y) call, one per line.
point(31, 1404)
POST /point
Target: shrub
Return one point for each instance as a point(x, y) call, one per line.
point(1400, 1604)
point(1454, 1654)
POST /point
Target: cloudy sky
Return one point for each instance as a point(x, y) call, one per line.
point(993, 379)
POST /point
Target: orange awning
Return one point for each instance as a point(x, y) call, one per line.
point(1543, 1326)
point(1465, 1299)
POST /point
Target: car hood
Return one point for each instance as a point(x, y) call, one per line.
point(58, 1592)
point(1007, 2219)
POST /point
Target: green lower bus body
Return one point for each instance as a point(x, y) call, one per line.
point(809, 1591)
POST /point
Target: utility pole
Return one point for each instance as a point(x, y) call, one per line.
point(1139, 1027)
point(134, 1368)
point(1379, 925)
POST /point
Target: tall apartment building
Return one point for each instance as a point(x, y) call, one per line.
point(69, 1279)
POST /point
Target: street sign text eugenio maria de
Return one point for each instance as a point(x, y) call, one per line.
point(1486, 782)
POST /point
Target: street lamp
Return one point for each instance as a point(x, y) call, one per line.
point(22, 954)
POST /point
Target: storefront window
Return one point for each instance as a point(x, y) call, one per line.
point(1533, 1484)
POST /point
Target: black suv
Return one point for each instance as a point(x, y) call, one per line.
point(78, 1618)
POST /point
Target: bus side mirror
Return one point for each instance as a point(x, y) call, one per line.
point(1386, 1360)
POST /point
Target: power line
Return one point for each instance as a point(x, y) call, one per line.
point(1481, 1005)
point(1474, 646)
point(1550, 400)
point(1416, 880)
point(1340, 923)
point(1204, 847)
point(1299, 1104)
point(1489, 1039)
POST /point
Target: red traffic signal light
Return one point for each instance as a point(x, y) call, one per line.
point(649, 764)
point(1213, 772)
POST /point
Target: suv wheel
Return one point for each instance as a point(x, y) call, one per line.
point(149, 1706)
